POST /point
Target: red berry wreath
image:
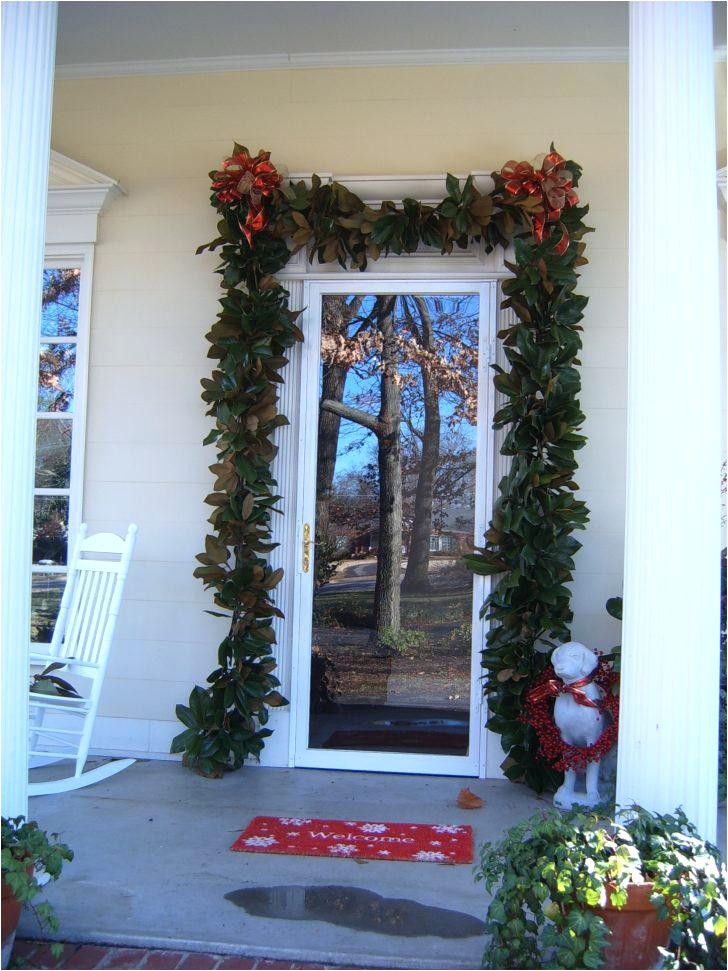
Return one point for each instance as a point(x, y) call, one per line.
point(539, 713)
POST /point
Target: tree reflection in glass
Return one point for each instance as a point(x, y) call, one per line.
point(50, 530)
point(394, 514)
point(53, 453)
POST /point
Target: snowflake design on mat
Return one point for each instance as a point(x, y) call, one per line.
point(448, 829)
point(293, 821)
point(429, 856)
point(435, 843)
point(384, 853)
point(373, 828)
point(343, 849)
point(261, 841)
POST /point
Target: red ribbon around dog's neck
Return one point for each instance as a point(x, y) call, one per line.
point(553, 687)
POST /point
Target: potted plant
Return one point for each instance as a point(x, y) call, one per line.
point(27, 853)
point(558, 881)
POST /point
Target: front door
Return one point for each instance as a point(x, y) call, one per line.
point(396, 411)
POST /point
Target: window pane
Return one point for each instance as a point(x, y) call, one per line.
point(45, 601)
point(59, 316)
point(53, 454)
point(56, 377)
point(395, 497)
point(50, 530)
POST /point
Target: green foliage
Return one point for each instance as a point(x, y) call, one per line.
point(403, 641)
point(460, 639)
point(224, 722)
point(48, 683)
point(325, 561)
point(529, 542)
point(549, 872)
point(614, 609)
point(338, 227)
point(26, 852)
point(690, 887)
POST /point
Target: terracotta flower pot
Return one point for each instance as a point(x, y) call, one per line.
point(636, 931)
point(10, 912)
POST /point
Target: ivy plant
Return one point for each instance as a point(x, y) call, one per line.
point(529, 545)
point(548, 874)
point(27, 851)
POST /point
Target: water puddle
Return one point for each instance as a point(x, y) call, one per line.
point(360, 910)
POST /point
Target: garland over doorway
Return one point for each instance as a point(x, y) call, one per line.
point(529, 544)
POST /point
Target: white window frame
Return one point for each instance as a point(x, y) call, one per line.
point(77, 256)
point(77, 195)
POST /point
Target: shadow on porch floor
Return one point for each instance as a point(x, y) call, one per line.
point(153, 863)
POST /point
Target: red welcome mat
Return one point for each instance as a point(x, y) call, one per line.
point(415, 842)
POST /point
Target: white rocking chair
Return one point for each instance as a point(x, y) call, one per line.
point(81, 643)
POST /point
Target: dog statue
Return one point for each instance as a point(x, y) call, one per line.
point(578, 717)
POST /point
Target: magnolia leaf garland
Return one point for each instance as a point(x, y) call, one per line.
point(529, 546)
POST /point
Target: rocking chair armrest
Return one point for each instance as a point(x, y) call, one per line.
point(69, 662)
point(36, 657)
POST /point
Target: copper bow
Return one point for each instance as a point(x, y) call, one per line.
point(555, 687)
point(254, 178)
point(551, 184)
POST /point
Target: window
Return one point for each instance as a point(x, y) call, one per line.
point(62, 346)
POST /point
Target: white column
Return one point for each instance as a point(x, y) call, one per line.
point(668, 740)
point(28, 52)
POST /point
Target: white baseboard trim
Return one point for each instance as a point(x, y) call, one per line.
point(141, 738)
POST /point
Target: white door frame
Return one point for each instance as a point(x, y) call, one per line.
point(472, 764)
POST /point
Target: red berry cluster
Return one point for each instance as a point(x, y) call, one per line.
point(540, 715)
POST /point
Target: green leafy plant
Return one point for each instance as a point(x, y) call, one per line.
point(28, 851)
point(326, 561)
point(549, 873)
point(403, 641)
point(614, 609)
point(48, 683)
point(529, 544)
point(460, 638)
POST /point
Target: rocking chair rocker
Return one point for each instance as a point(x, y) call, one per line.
point(61, 724)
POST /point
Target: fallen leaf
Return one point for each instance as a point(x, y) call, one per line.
point(468, 800)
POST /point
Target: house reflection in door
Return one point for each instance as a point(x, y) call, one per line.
point(395, 496)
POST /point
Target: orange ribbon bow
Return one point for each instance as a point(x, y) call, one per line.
point(245, 176)
point(555, 687)
point(551, 184)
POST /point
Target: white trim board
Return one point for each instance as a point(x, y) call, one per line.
point(77, 195)
point(360, 59)
point(150, 738)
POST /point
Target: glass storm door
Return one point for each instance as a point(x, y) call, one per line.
point(396, 413)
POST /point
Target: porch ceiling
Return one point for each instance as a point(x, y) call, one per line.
point(109, 32)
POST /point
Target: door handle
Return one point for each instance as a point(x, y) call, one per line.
point(306, 559)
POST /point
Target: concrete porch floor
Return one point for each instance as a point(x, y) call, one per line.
point(153, 862)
